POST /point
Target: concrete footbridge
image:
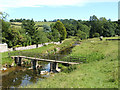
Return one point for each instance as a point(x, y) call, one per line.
point(34, 62)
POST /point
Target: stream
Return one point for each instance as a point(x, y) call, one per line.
point(20, 76)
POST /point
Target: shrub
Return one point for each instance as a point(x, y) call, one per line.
point(81, 35)
point(96, 35)
point(70, 69)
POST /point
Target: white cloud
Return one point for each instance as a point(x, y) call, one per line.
point(38, 3)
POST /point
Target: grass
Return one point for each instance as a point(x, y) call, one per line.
point(7, 60)
point(44, 23)
point(101, 71)
point(33, 52)
point(111, 38)
point(37, 23)
point(17, 24)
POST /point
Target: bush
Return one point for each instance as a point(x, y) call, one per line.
point(69, 69)
point(55, 49)
point(96, 35)
point(81, 35)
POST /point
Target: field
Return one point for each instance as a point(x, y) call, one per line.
point(44, 23)
point(36, 23)
point(100, 70)
point(18, 24)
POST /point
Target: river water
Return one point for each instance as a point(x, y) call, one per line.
point(19, 76)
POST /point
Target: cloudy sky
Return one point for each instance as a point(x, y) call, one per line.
point(60, 9)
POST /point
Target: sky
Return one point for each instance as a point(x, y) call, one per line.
point(60, 9)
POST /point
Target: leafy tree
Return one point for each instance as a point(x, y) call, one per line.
point(94, 23)
point(93, 18)
point(46, 28)
point(40, 38)
point(60, 27)
point(56, 35)
point(117, 25)
point(45, 20)
point(70, 29)
point(4, 27)
point(30, 28)
point(13, 37)
point(85, 29)
point(81, 35)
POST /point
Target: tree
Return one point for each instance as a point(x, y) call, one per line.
point(30, 28)
point(46, 28)
point(45, 20)
point(56, 35)
point(85, 29)
point(40, 38)
point(81, 35)
point(60, 27)
point(4, 27)
point(93, 23)
point(13, 37)
point(93, 18)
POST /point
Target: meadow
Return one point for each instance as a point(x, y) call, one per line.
point(100, 70)
point(18, 24)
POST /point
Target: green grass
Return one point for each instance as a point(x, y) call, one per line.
point(101, 71)
point(33, 52)
point(17, 24)
point(44, 23)
point(111, 38)
point(8, 60)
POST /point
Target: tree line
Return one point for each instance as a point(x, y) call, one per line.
point(93, 28)
point(29, 33)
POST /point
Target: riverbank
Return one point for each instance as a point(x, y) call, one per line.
point(100, 71)
point(41, 50)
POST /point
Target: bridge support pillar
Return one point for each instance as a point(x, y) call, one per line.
point(19, 61)
point(34, 64)
point(16, 60)
point(53, 66)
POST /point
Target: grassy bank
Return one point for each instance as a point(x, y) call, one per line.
point(33, 52)
point(7, 60)
point(100, 71)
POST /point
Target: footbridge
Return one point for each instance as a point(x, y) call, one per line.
point(34, 62)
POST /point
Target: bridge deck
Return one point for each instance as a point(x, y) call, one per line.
point(46, 60)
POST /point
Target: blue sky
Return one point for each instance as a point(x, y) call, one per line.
point(60, 9)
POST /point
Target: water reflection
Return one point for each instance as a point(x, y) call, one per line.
point(22, 77)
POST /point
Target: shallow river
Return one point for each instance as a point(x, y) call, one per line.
point(22, 76)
